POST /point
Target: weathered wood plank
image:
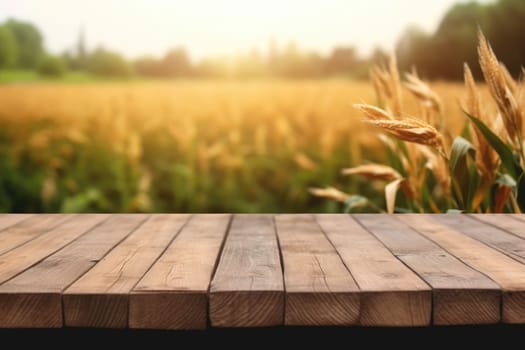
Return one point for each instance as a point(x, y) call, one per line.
point(26, 230)
point(24, 256)
point(7, 220)
point(319, 288)
point(507, 272)
point(101, 270)
point(498, 239)
point(100, 297)
point(34, 297)
point(391, 294)
point(520, 217)
point(247, 289)
point(174, 292)
point(509, 223)
point(461, 295)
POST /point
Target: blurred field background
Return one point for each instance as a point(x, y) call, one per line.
point(90, 130)
point(185, 146)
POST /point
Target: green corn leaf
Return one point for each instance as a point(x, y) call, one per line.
point(465, 132)
point(460, 149)
point(503, 150)
point(355, 201)
point(464, 182)
point(507, 180)
point(521, 190)
point(504, 180)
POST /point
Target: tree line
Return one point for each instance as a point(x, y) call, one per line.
point(438, 55)
point(22, 47)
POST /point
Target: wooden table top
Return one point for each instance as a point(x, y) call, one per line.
point(183, 271)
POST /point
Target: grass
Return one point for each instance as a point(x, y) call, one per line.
point(17, 75)
point(31, 76)
point(13, 76)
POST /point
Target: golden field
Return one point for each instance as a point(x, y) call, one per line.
point(192, 146)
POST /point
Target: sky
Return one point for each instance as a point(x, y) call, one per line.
point(223, 27)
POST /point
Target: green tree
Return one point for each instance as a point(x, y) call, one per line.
point(413, 51)
point(176, 63)
point(378, 56)
point(52, 66)
point(81, 50)
point(456, 38)
point(8, 48)
point(341, 60)
point(29, 42)
point(77, 59)
point(442, 54)
point(506, 24)
point(104, 62)
point(148, 66)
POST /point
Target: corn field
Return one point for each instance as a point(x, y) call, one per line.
point(435, 168)
point(192, 146)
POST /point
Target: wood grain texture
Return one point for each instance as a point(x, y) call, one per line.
point(33, 298)
point(319, 288)
point(520, 217)
point(177, 271)
point(498, 238)
point(391, 294)
point(7, 220)
point(507, 272)
point(461, 295)
point(247, 289)
point(100, 297)
point(174, 292)
point(24, 256)
point(26, 230)
point(509, 223)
